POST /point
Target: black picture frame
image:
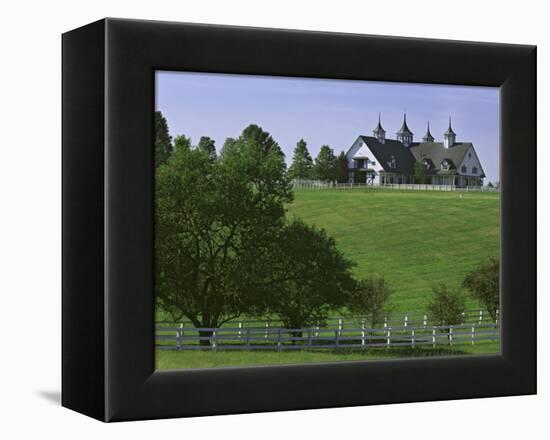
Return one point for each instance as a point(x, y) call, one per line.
point(108, 306)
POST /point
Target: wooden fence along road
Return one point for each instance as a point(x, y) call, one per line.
point(269, 338)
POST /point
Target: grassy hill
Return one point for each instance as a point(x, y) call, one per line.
point(414, 238)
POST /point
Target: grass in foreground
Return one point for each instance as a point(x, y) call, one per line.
point(414, 238)
point(173, 360)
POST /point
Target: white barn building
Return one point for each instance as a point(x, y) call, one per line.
point(377, 160)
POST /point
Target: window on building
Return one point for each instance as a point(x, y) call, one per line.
point(474, 170)
point(445, 165)
point(463, 169)
point(469, 155)
point(392, 162)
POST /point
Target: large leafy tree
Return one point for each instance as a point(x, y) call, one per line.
point(314, 277)
point(483, 284)
point(325, 164)
point(163, 140)
point(302, 163)
point(342, 168)
point(370, 298)
point(207, 145)
point(216, 222)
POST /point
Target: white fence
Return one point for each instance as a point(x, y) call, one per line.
point(362, 338)
point(414, 319)
point(319, 184)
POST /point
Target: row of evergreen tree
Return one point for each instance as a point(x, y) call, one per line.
point(326, 166)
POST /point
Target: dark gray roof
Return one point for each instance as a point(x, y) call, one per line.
point(404, 160)
point(436, 152)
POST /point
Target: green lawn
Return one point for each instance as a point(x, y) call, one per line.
point(413, 238)
point(171, 360)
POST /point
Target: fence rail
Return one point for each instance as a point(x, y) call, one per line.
point(414, 319)
point(261, 338)
point(318, 184)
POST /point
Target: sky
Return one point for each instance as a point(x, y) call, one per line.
point(326, 111)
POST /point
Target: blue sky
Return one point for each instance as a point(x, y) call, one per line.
point(321, 111)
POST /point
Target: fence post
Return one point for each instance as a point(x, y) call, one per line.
point(425, 320)
point(481, 316)
point(336, 339)
point(340, 324)
point(496, 318)
point(406, 320)
point(385, 321)
point(451, 335)
point(214, 340)
point(363, 335)
point(309, 342)
point(266, 329)
point(473, 334)
point(434, 339)
point(180, 337)
point(240, 329)
point(279, 331)
point(317, 329)
point(412, 337)
point(388, 337)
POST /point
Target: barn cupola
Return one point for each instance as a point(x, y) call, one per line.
point(428, 136)
point(379, 133)
point(404, 135)
point(449, 136)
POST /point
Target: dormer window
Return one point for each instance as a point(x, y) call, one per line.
point(426, 164)
point(474, 170)
point(392, 162)
point(445, 165)
point(464, 169)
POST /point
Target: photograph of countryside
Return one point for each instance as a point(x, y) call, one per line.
point(302, 220)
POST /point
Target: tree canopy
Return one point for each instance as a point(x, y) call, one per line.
point(163, 141)
point(314, 276)
point(302, 163)
point(446, 306)
point(216, 222)
point(483, 283)
point(341, 168)
point(325, 164)
point(370, 298)
point(207, 145)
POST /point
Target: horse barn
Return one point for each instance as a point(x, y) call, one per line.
point(376, 160)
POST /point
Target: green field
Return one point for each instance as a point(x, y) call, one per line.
point(414, 238)
point(171, 360)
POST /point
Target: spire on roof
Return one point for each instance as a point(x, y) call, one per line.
point(405, 135)
point(404, 129)
point(379, 133)
point(450, 129)
point(428, 136)
point(449, 136)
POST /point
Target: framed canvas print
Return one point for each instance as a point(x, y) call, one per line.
point(261, 219)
